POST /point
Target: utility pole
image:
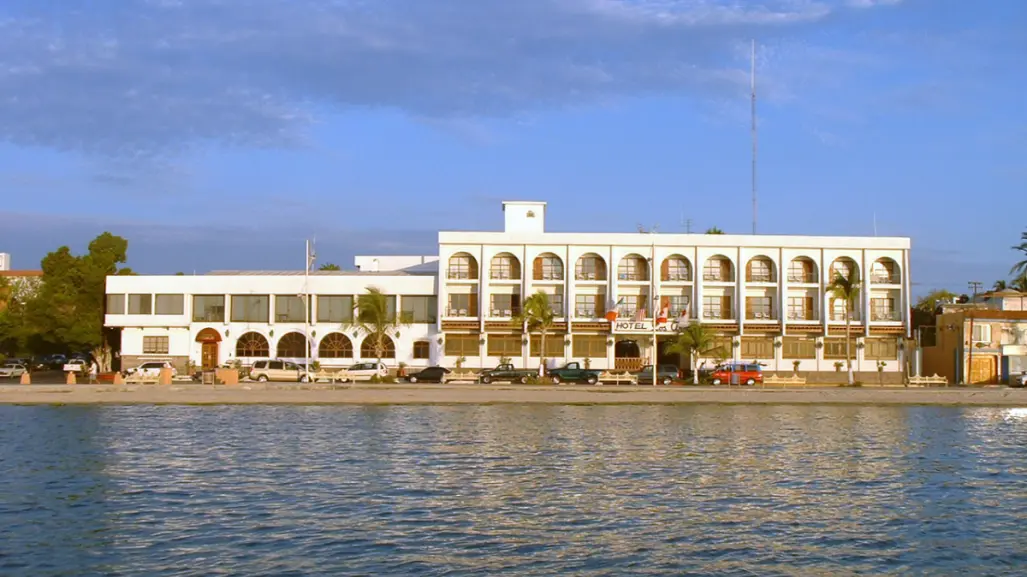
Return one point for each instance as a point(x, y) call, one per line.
point(974, 287)
point(752, 85)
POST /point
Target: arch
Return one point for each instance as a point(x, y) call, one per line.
point(627, 355)
point(676, 268)
point(505, 266)
point(291, 345)
point(547, 266)
point(208, 335)
point(367, 348)
point(462, 265)
point(760, 268)
point(802, 269)
point(251, 345)
point(590, 266)
point(843, 266)
point(885, 271)
point(335, 346)
point(633, 267)
point(718, 268)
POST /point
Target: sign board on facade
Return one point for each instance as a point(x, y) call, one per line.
point(644, 327)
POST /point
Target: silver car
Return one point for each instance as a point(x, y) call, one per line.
point(11, 370)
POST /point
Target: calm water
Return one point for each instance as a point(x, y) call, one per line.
point(622, 490)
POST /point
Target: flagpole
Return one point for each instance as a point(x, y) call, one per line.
point(656, 302)
point(306, 305)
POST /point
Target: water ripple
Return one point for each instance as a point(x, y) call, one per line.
point(608, 490)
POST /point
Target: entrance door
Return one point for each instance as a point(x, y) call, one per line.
point(210, 355)
point(983, 370)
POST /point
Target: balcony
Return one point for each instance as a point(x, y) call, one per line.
point(461, 313)
point(760, 277)
point(884, 278)
point(802, 278)
point(460, 274)
point(677, 277)
point(581, 275)
point(632, 276)
point(718, 316)
point(504, 275)
point(885, 316)
point(588, 313)
point(840, 317)
point(715, 277)
point(803, 315)
point(503, 313)
point(547, 276)
point(755, 316)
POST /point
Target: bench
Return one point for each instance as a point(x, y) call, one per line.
point(617, 378)
point(928, 381)
point(330, 376)
point(462, 375)
point(793, 380)
point(140, 379)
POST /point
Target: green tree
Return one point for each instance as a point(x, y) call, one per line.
point(537, 315)
point(329, 266)
point(1020, 283)
point(373, 318)
point(847, 290)
point(1020, 269)
point(694, 340)
point(1000, 285)
point(930, 302)
point(714, 230)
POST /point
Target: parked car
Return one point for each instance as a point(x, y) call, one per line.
point(150, 369)
point(507, 372)
point(11, 370)
point(737, 373)
point(429, 375)
point(574, 373)
point(365, 371)
point(1018, 380)
point(265, 371)
point(665, 374)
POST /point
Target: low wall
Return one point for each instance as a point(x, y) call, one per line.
point(840, 377)
point(181, 363)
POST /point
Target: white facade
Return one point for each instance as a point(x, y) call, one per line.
point(765, 296)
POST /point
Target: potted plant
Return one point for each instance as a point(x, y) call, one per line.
point(838, 366)
point(460, 362)
point(401, 370)
point(588, 363)
point(795, 366)
point(880, 371)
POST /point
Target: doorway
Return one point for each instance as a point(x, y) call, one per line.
point(210, 347)
point(627, 356)
point(983, 370)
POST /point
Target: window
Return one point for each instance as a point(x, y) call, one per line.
point(556, 304)
point(463, 346)
point(554, 345)
point(140, 304)
point(800, 270)
point(982, 333)
point(800, 309)
point(631, 305)
point(334, 309)
point(799, 348)
point(115, 304)
point(759, 308)
point(843, 267)
point(835, 349)
point(463, 305)
point(590, 267)
point(250, 308)
point(716, 307)
point(589, 306)
point(633, 267)
point(884, 272)
point(419, 309)
point(505, 267)
point(757, 348)
point(883, 309)
point(462, 266)
point(721, 349)
point(881, 349)
point(368, 348)
point(589, 346)
point(422, 350)
point(676, 269)
point(504, 345)
point(717, 269)
point(335, 346)
point(209, 308)
point(292, 345)
point(252, 345)
point(678, 305)
point(760, 270)
point(505, 305)
point(155, 345)
point(170, 304)
point(276, 365)
point(290, 309)
point(548, 267)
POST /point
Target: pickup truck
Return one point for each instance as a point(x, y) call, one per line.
point(507, 372)
point(573, 373)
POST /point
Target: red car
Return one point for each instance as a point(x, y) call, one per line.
point(737, 374)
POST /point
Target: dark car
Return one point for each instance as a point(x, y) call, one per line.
point(574, 373)
point(665, 374)
point(429, 375)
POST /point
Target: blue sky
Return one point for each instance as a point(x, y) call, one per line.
point(218, 134)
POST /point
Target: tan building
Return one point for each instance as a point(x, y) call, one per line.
point(980, 343)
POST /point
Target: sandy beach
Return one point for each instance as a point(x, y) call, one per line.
point(254, 393)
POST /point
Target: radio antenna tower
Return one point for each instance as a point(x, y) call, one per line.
point(752, 85)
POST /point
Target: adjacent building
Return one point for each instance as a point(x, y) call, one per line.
point(764, 296)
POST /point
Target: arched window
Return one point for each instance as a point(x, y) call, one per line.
point(718, 269)
point(547, 266)
point(843, 267)
point(505, 266)
point(590, 266)
point(335, 346)
point(422, 350)
point(760, 269)
point(367, 348)
point(802, 270)
point(462, 266)
point(292, 345)
point(252, 345)
point(633, 267)
point(885, 271)
point(676, 268)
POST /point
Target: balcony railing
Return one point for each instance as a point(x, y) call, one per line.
point(715, 277)
point(802, 316)
point(885, 316)
point(760, 277)
point(636, 276)
point(588, 313)
point(885, 279)
point(549, 276)
point(718, 315)
point(589, 276)
point(503, 313)
point(457, 274)
point(460, 313)
point(504, 275)
point(677, 277)
point(760, 316)
point(803, 278)
point(841, 317)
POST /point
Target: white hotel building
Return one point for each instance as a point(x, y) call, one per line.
point(763, 295)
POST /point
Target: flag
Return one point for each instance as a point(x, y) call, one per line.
point(639, 314)
point(664, 313)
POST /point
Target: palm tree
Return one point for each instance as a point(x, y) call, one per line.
point(846, 289)
point(1000, 285)
point(537, 314)
point(329, 266)
point(693, 340)
point(1020, 283)
point(373, 318)
point(714, 230)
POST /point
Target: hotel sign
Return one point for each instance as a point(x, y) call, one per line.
point(644, 327)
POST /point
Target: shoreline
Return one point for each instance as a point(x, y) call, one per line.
point(405, 394)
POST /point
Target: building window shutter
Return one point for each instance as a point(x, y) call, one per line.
point(748, 307)
point(725, 307)
point(808, 308)
point(537, 268)
point(472, 305)
point(600, 305)
point(665, 269)
point(725, 270)
point(664, 302)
